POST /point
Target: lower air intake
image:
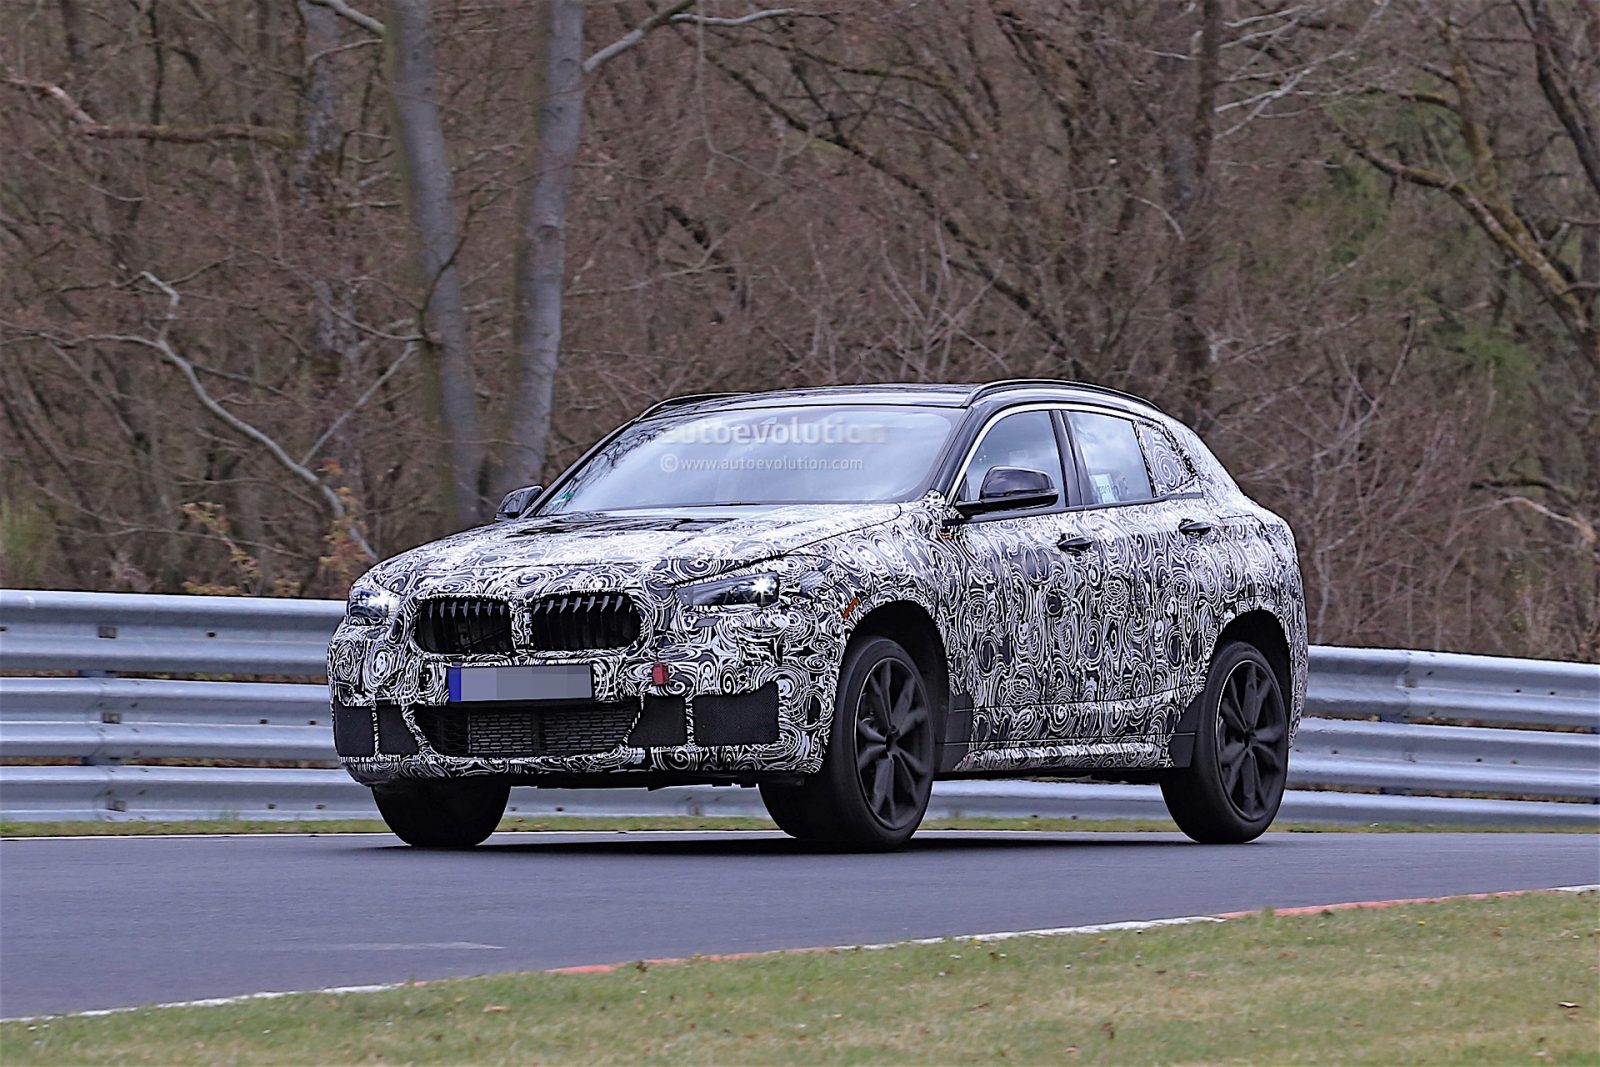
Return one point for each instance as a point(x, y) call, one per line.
point(518, 731)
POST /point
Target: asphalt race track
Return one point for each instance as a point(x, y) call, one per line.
point(107, 922)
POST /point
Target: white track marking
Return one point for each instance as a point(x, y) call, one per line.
point(1056, 931)
point(211, 1002)
point(405, 946)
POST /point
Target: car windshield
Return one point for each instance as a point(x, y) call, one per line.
point(761, 456)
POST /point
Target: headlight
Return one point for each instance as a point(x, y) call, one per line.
point(370, 604)
point(747, 591)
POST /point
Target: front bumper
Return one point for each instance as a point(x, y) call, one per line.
point(744, 694)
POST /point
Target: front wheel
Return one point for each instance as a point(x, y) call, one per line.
point(878, 772)
point(442, 813)
point(1231, 790)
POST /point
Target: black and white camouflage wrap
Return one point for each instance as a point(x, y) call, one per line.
point(1068, 661)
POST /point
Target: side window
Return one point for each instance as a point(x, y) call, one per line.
point(1026, 439)
point(1170, 470)
point(1113, 466)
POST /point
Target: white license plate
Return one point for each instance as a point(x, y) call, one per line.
point(544, 682)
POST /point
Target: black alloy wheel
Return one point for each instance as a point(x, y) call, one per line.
point(1234, 784)
point(893, 722)
point(1250, 725)
point(877, 775)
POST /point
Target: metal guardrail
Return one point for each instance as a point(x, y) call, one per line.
point(1398, 685)
point(1372, 749)
point(46, 630)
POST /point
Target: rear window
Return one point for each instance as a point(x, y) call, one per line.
point(1170, 469)
point(1113, 463)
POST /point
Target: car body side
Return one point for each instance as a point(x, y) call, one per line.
point(1040, 660)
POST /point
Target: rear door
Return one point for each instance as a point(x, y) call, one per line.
point(1128, 532)
point(1189, 557)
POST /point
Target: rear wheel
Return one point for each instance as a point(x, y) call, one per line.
point(1231, 790)
point(443, 813)
point(878, 772)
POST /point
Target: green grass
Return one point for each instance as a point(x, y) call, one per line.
point(1489, 981)
point(606, 823)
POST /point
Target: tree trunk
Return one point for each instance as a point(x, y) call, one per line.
point(1190, 66)
point(429, 193)
point(334, 340)
point(540, 270)
point(319, 100)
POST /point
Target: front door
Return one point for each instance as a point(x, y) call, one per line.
point(1006, 582)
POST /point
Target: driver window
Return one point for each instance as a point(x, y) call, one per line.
point(1026, 439)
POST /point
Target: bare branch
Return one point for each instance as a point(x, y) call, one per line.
point(1432, 179)
point(1496, 220)
point(144, 131)
point(635, 35)
point(677, 13)
point(1584, 528)
point(360, 402)
point(162, 347)
point(1569, 104)
point(742, 20)
point(345, 11)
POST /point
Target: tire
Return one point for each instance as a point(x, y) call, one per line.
point(1231, 790)
point(446, 813)
point(876, 778)
point(787, 806)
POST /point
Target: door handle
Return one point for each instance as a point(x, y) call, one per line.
point(1194, 527)
point(1071, 543)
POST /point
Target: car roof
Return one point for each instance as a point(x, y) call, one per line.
point(911, 394)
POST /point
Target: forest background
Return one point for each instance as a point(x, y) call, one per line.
point(287, 285)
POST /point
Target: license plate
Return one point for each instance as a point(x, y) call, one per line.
point(544, 682)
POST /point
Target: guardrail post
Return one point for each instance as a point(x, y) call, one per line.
point(96, 759)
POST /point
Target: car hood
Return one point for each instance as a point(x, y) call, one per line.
point(664, 546)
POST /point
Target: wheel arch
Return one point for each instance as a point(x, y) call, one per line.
point(1262, 629)
point(909, 624)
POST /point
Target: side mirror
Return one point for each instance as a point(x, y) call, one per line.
point(1007, 488)
point(516, 502)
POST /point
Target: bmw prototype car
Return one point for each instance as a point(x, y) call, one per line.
point(839, 596)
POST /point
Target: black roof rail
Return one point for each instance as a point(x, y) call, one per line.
point(1023, 383)
point(689, 398)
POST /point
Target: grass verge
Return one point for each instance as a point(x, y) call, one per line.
point(1489, 981)
point(608, 823)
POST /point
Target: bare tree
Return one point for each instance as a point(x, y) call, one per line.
point(428, 180)
point(1189, 64)
point(1523, 168)
point(539, 271)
